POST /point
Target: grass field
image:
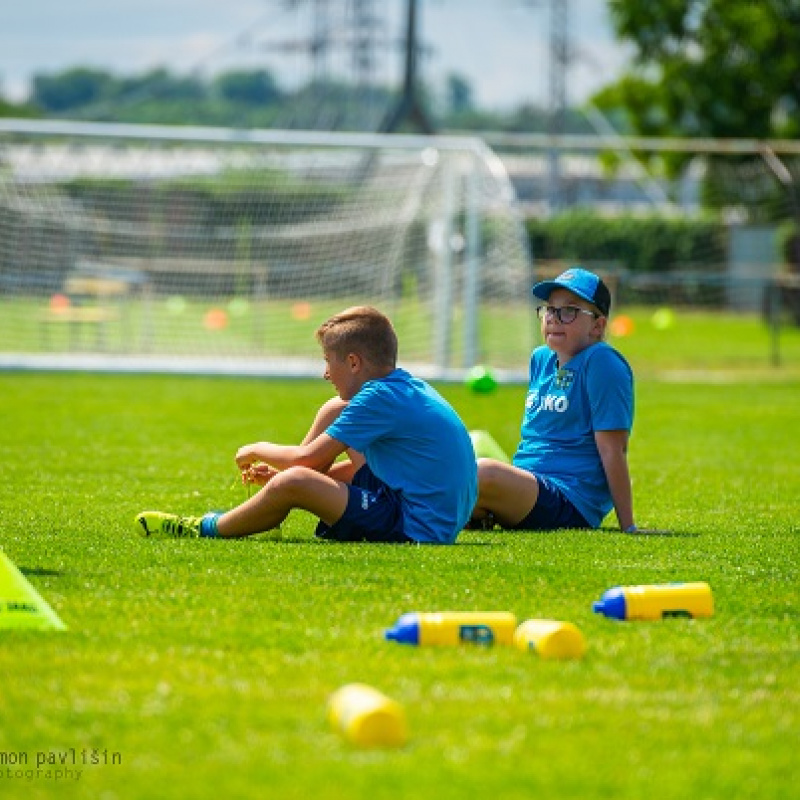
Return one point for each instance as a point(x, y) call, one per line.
point(196, 669)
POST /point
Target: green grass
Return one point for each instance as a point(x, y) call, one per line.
point(207, 665)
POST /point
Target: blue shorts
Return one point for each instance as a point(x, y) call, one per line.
point(373, 514)
point(552, 511)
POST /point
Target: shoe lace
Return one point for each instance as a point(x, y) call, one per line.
point(183, 526)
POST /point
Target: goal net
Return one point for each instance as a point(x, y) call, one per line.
point(180, 246)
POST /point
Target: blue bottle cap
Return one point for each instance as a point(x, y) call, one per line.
point(612, 604)
point(405, 630)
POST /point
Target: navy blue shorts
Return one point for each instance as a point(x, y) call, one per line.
point(373, 513)
point(552, 511)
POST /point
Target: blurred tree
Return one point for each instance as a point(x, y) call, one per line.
point(160, 84)
point(256, 88)
point(73, 88)
point(716, 68)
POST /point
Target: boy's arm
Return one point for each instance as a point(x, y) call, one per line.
point(319, 454)
point(328, 412)
point(613, 449)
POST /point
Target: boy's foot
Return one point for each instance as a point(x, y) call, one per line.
point(485, 523)
point(156, 523)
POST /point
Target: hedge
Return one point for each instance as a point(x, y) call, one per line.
point(636, 244)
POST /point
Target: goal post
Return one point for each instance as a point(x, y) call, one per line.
point(151, 244)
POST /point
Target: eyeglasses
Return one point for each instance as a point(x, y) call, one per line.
point(564, 314)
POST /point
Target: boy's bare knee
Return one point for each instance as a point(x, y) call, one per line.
point(292, 481)
point(489, 472)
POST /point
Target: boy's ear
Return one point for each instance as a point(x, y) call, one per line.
point(354, 361)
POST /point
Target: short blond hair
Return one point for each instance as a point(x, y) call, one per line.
point(362, 330)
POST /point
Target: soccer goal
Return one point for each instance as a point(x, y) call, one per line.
point(150, 245)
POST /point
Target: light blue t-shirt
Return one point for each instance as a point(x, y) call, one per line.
point(563, 409)
point(417, 445)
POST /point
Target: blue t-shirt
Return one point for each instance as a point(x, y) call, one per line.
point(417, 445)
point(563, 409)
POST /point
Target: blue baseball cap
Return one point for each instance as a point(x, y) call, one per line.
point(581, 282)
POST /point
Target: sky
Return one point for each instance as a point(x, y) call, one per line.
point(499, 46)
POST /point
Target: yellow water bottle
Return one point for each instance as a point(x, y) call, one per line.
point(656, 601)
point(550, 639)
point(454, 627)
point(367, 717)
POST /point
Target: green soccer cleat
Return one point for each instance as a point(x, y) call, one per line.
point(156, 523)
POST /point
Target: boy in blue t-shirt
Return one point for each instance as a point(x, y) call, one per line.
point(571, 466)
point(411, 474)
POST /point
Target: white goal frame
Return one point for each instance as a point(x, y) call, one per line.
point(468, 166)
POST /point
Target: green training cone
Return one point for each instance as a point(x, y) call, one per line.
point(486, 447)
point(481, 380)
point(21, 606)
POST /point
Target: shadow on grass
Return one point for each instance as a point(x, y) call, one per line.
point(658, 532)
point(334, 543)
point(40, 572)
point(499, 537)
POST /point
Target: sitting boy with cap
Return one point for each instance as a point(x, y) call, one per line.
point(571, 467)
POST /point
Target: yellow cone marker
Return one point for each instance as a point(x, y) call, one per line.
point(550, 639)
point(21, 606)
point(486, 446)
point(366, 717)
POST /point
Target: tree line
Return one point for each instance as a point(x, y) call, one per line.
point(255, 99)
point(700, 68)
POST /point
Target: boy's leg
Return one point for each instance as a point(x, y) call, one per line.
point(374, 513)
point(518, 500)
point(296, 487)
point(505, 491)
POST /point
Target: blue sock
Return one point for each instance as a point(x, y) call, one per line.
point(208, 525)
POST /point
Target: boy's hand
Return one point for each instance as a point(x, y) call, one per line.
point(246, 457)
point(258, 472)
